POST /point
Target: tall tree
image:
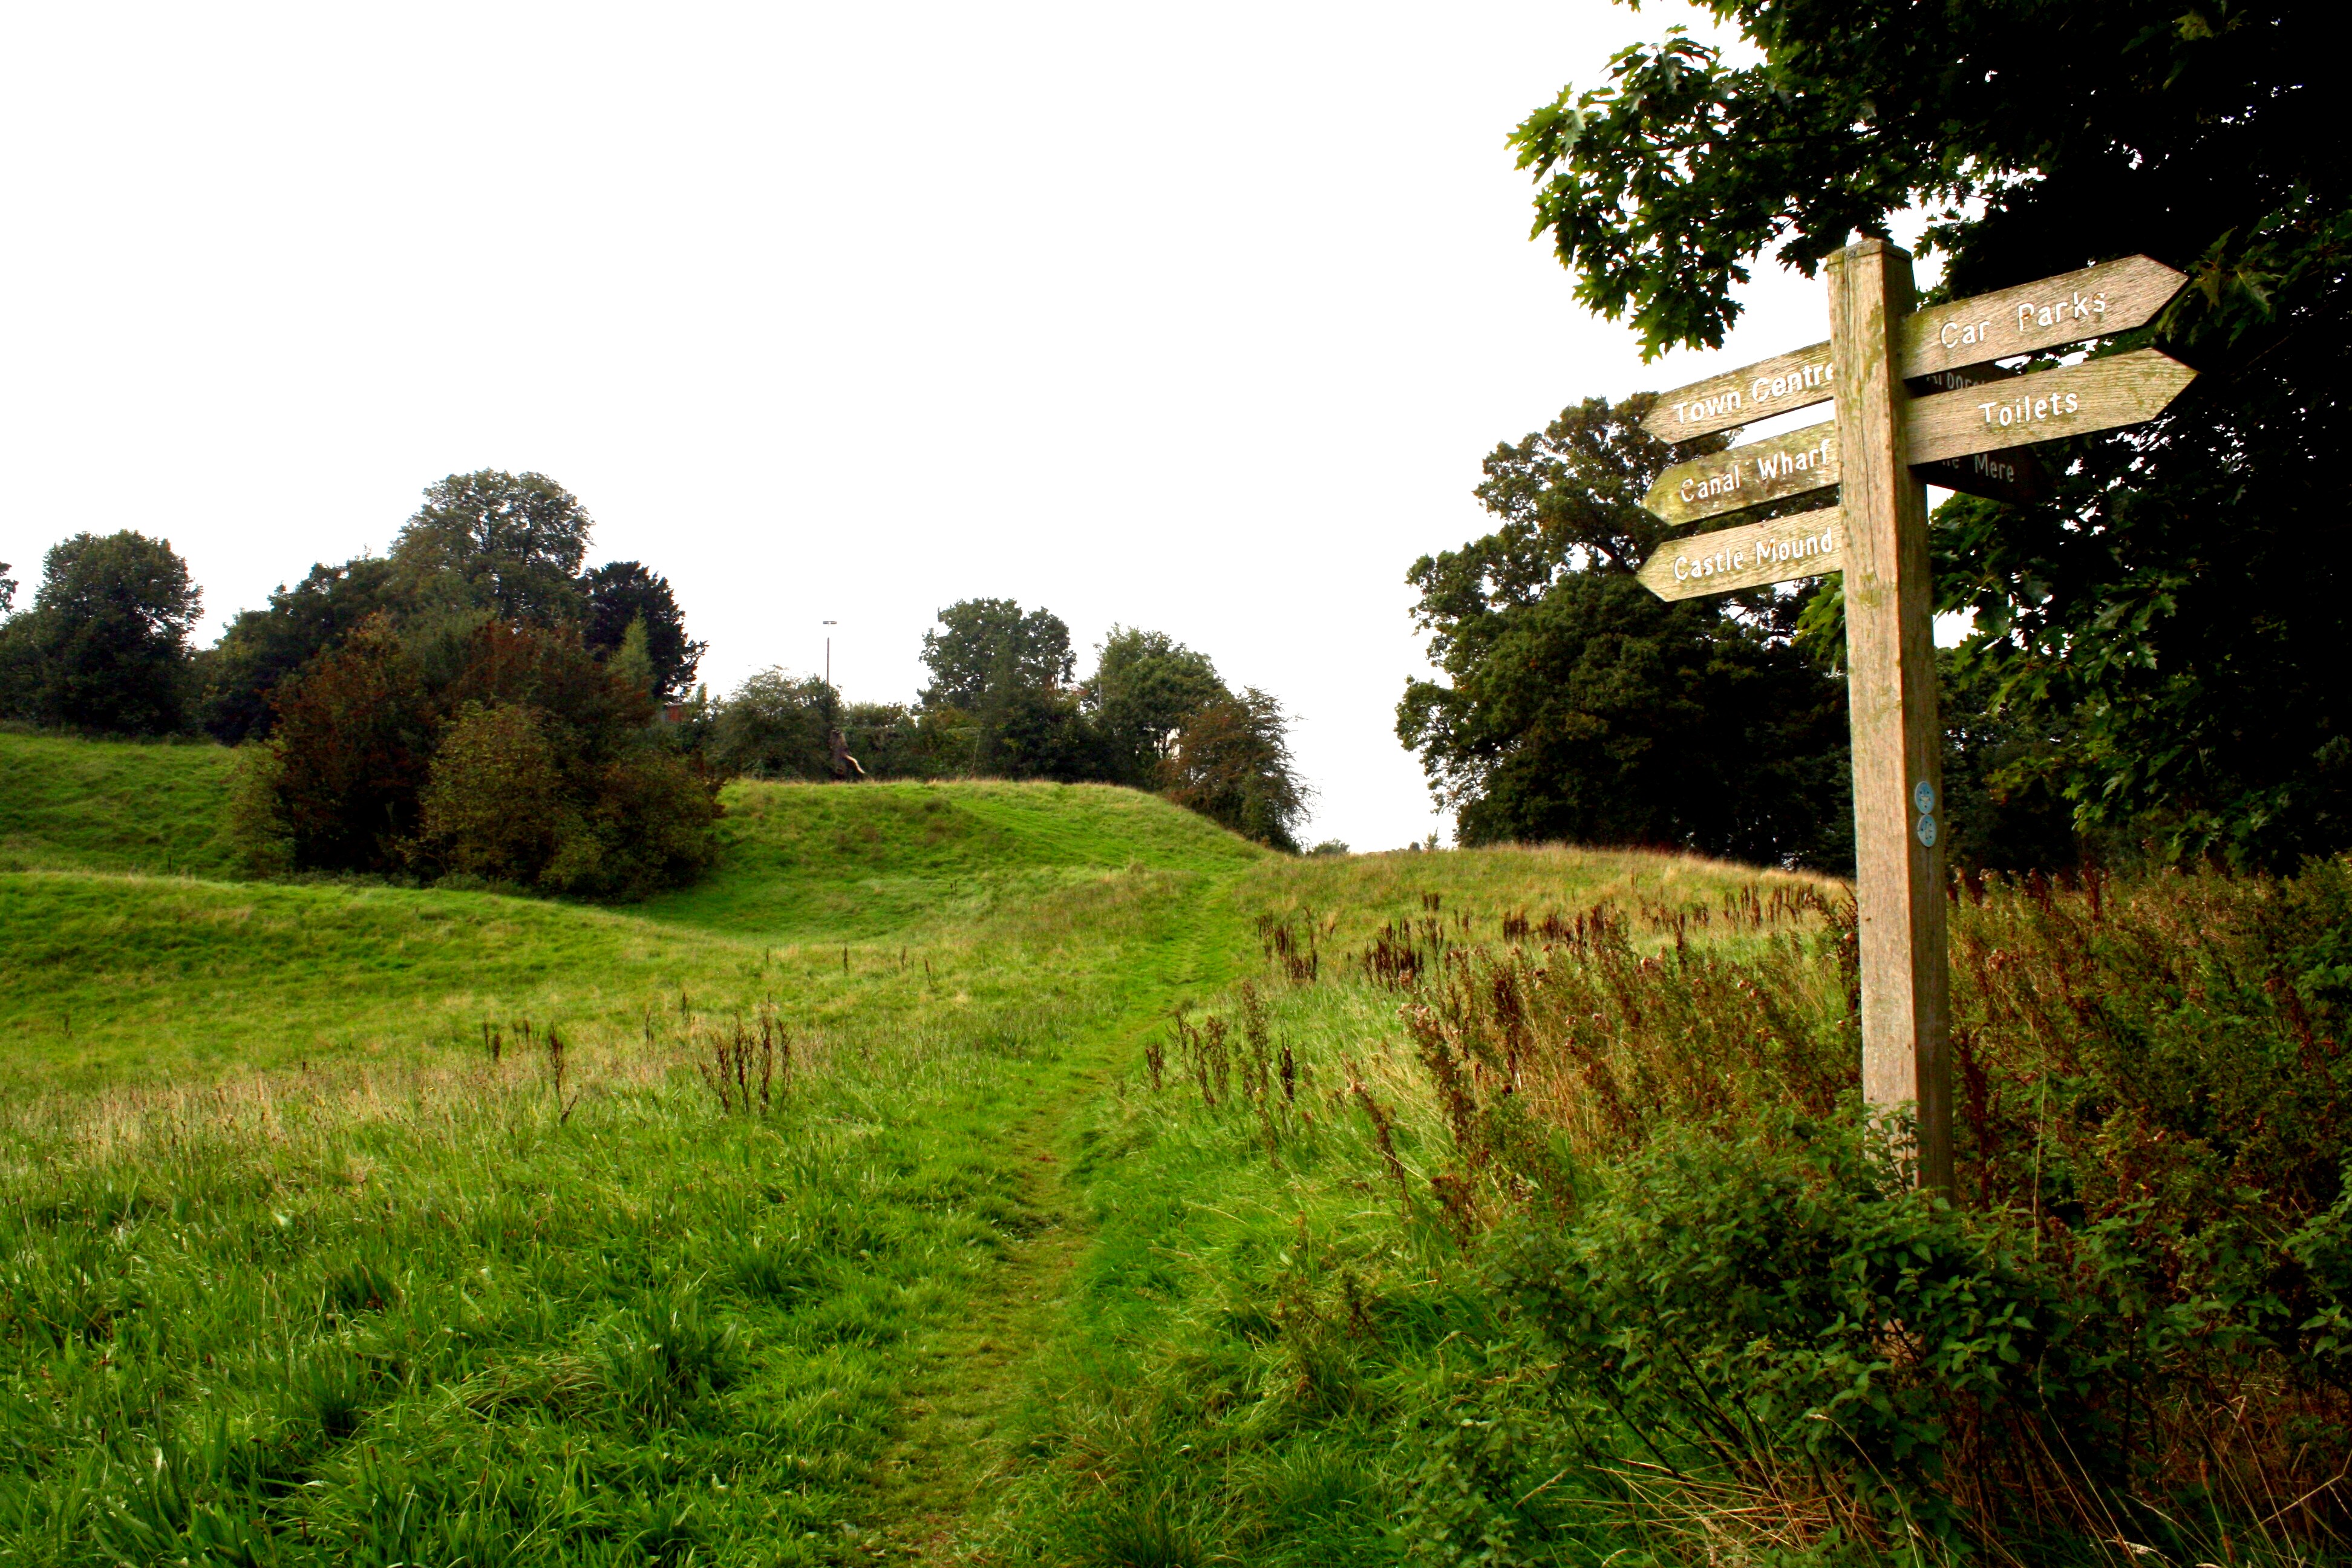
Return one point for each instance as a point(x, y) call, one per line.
point(1145, 686)
point(1232, 764)
point(510, 544)
point(105, 645)
point(989, 644)
point(620, 592)
point(2164, 627)
point(1578, 705)
point(1008, 673)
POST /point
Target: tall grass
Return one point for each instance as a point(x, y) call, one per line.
point(547, 1306)
point(1583, 1233)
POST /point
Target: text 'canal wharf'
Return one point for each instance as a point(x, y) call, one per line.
point(1917, 398)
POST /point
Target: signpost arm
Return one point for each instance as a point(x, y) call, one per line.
point(1891, 678)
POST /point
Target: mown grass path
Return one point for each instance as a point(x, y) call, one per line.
point(971, 1377)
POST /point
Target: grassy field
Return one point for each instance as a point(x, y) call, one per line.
point(965, 1172)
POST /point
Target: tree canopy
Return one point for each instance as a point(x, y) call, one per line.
point(2160, 634)
point(1232, 764)
point(987, 646)
point(1145, 688)
point(507, 543)
point(621, 592)
point(105, 643)
point(262, 647)
point(484, 546)
point(1578, 705)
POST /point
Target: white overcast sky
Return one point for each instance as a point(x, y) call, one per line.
point(1198, 318)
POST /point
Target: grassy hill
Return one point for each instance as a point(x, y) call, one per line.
point(819, 892)
point(102, 805)
point(858, 1217)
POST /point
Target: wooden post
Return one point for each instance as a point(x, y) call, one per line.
point(1899, 805)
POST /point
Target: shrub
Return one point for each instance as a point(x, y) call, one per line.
point(493, 806)
point(530, 765)
point(354, 740)
point(256, 820)
point(776, 726)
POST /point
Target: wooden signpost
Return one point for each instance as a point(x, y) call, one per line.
point(1918, 399)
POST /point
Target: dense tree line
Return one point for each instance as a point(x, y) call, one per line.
point(472, 704)
point(1004, 700)
point(477, 703)
point(2151, 663)
point(1578, 705)
point(104, 647)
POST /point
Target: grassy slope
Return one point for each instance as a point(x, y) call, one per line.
point(1253, 1337)
point(401, 1304)
point(102, 805)
point(395, 1305)
point(111, 973)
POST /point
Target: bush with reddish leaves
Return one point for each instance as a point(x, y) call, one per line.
point(533, 766)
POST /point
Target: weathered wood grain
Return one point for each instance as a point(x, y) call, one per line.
point(1761, 472)
point(1808, 545)
point(2066, 400)
point(1798, 379)
point(1891, 684)
point(2113, 296)
point(2014, 476)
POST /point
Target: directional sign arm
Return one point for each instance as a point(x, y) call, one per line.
point(1749, 556)
point(1761, 472)
point(2068, 400)
point(1798, 379)
point(2113, 296)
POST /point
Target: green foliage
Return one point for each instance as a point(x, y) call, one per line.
point(484, 546)
point(531, 764)
point(2172, 682)
point(631, 664)
point(776, 726)
point(1145, 688)
point(1578, 705)
point(893, 741)
point(507, 543)
point(986, 647)
point(1232, 764)
point(262, 647)
point(105, 645)
point(493, 806)
point(620, 594)
point(255, 818)
point(1735, 1301)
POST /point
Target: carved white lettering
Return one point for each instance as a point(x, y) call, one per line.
point(2026, 410)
